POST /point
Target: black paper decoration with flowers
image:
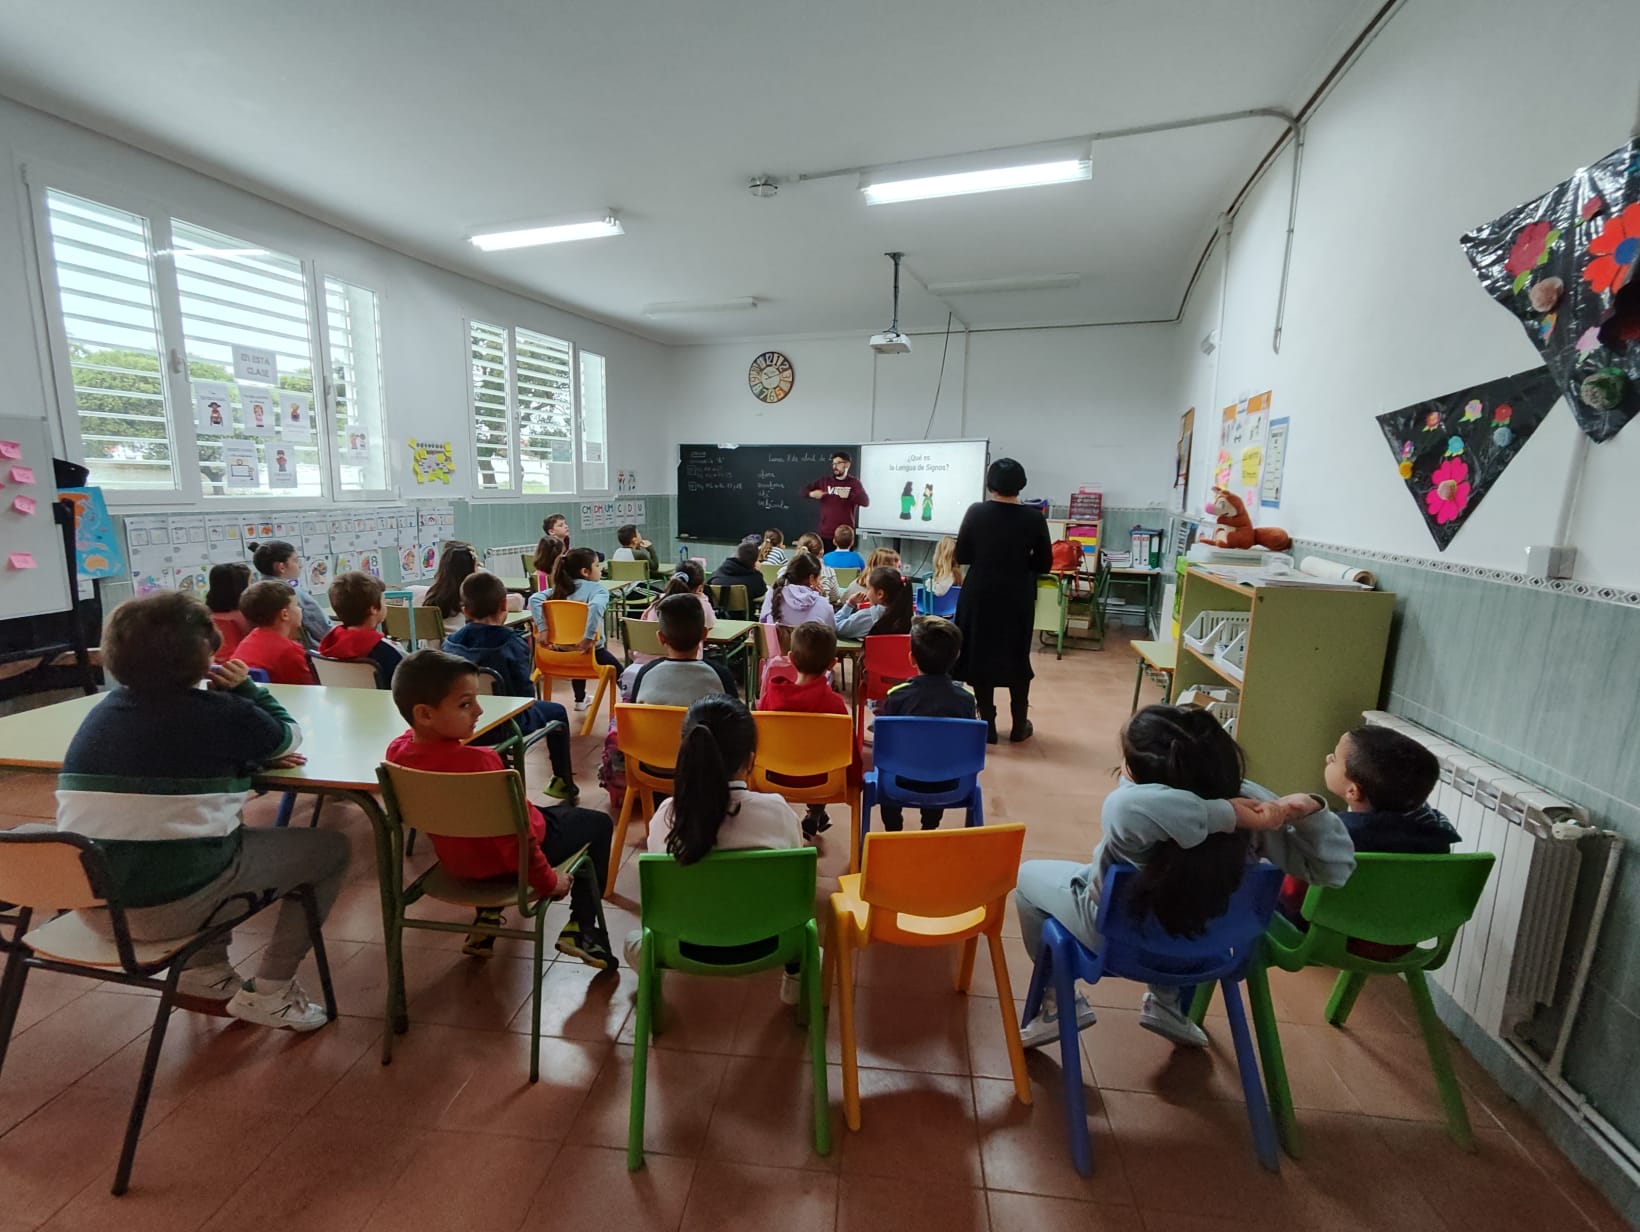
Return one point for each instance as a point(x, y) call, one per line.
point(1565, 265)
point(1452, 449)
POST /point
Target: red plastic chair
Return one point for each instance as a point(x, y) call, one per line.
point(885, 661)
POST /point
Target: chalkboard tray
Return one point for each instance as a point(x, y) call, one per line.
point(726, 492)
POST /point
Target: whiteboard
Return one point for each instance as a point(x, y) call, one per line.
point(44, 587)
point(944, 478)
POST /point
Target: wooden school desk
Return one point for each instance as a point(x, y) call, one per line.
point(1156, 660)
point(734, 638)
point(345, 733)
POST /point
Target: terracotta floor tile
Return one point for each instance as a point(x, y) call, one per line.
point(729, 1197)
point(1026, 1149)
point(458, 1182)
point(681, 1090)
point(911, 1204)
point(914, 1124)
point(581, 1002)
point(700, 1013)
point(70, 1042)
point(46, 992)
point(1037, 1213)
point(499, 1098)
point(1389, 1074)
point(431, 1065)
point(1152, 1136)
point(927, 1032)
point(765, 1111)
point(589, 1187)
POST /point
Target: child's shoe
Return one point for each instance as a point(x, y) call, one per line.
point(815, 821)
point(791, 987)
point(1161, 1017)
point(284, 1007)
point(482, 945)
point(1044, 1028)
point(589, 943)
point(581, 705)
point(562, 789)
point(208, 989)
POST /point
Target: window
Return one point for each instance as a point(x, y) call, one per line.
point(151, 311)
point(105, 285)
point(353, 335)
point(526, 388)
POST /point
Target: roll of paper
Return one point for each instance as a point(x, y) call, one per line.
point(1333, 571)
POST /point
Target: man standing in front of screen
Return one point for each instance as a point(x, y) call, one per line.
point(840, 496)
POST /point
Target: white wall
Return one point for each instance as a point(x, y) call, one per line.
point(1429, 134)
point(422, 306)
point(1075, 406)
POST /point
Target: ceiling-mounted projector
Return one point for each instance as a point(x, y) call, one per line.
point(891, 341)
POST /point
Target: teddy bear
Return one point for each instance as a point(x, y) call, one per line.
point(1236, 529)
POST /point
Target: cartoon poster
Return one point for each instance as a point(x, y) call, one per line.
point(316, 574)
point(213, 408)
point(357, 448)
point(96, 545)
point(432, 461)
point(1564, 265)
point(1451, 449)
point(371, 562)
point(295, 416)
point(239, 466)
point(346, 562)
point(1224, 460)
point(258, 413)
point(281, 459)
point(1275, 463)
point(1249, 456)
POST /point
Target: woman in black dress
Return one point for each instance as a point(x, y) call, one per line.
point(1004, 546)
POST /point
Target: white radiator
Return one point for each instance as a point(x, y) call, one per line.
point(1506, 961)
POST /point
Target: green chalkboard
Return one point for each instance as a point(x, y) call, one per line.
point(726, 492)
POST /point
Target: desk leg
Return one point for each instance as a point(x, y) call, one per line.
point(387, 877)
point(1138, 683)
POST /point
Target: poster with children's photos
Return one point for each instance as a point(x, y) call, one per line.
point(258, 412)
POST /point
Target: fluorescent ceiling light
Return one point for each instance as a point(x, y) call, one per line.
point(983, 286)
point(585, 228)
point(881, 191)
point(686, 307)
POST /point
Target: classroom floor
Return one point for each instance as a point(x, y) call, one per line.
point(251, 1128)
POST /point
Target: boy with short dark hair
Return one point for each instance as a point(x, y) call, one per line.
point(158, 775)
point(681, 679)
point(356, 598)
point(932, 694)
point(274, 614)
point(813, 651)
point(635, 547)
point(486, 642)
point(437, 694)
point(739, 568)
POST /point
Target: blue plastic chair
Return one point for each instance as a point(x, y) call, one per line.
point(1141, 950)
point(945, 605)
point(925, 751)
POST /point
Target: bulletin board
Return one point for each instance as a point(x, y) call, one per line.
point(34, 577)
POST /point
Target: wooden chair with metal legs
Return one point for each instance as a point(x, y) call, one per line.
point(51, 870)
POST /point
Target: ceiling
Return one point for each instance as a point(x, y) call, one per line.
point(414, 122)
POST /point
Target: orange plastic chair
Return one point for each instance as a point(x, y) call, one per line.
point(648, 737)
point(566, 626)
point(927, 888)
point(885, 661)
point(808, 759)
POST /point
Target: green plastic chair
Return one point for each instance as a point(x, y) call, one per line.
point(759, 903)
point(1420, 901)
point(731, 601)
point(641, 637)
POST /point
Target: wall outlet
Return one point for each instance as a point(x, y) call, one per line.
point(1550, 561)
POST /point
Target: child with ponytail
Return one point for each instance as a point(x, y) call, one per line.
point(889, 611)
point(1185, 816)
point(576, 578)
point(772, 551)
point(795, 597)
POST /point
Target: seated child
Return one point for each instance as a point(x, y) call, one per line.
point(437, 694)
point(710, 808)
point(277, 560)
point(935, 644)
point(739, 568)
point(273, 644)
point(682, 677)
point(688, 579)
point(1183, 814)
point(772, 551)
point(827, 582)
point(547, 552)
point(158, 774)
point(356, 598)
point(227, 583)
point(843, 556)
point(635, 547)
point(890, 608)
point(1384, 779)
point(795, 596)
point(857, 594)
point(814, 650)
point(576, 579)
point(485, 641)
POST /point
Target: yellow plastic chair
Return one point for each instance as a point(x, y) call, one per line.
point(642, 637)
point(566, 626)
point(927, 888)
point(488, 804)
point(648, 737)
point(808, 759)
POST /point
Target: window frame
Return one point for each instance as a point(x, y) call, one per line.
point(38, 177)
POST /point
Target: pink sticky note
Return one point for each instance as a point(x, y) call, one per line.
point(23, 504)
point(21, 560)
point(10, 449)
point(22, 474)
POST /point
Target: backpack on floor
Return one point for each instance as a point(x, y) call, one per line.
point(612, 772)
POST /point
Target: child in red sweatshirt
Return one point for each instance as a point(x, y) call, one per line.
point(814, 650)
point(273, 645)
point(356, 598)
point(437, 694)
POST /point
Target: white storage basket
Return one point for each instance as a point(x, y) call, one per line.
point(1211, 630)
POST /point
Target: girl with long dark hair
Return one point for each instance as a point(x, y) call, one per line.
point(890, 609)
point(577, 578)
point(795, 597)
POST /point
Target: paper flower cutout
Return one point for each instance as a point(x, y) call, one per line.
point(1589, 340)
point(1406, 470)
point(1503, 414)
point(1472, 411)
point(1502, 435)
point(1450, 494)
point(1454, 446)
point(1432, 422)
point(1406, 446)
point(1545, 327)
point(1593, 206)
point(1615, 250)
point(1531, 247)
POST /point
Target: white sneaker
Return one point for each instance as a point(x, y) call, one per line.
point(1168, 1021)
point(210, 986)
point(581, 705)
point(1044, 1028)
point(791, 987)
point(287, 1008)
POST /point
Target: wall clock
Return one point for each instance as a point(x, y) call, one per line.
point(770, 377)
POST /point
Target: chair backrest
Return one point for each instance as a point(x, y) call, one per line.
point(946, 605)
point(797, 746)
point(1140, 949)
point(484, 804)
point(937, 874)
point(528, 561)
point(1398, 900)
point(343, 673)
point(642, 636)
point(489, 682)
point(628, 570)
point(928, 750)
point(771, 573)
point(885, 661)
point(396, 621)
point(51, 868)
point(649, 735)
point(845, 576)
point(731, 600)
point(772, 641)
point(731, 898)
point(258, 674)
point(566, 622)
